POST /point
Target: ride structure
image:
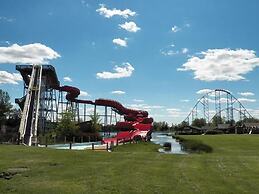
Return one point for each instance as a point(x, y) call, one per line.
point(218, 104)
point(41, 108)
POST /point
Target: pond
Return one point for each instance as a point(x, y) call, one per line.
point(108, 134)
point(157, 138)
point(77, 146)
point(85, 145)
point(161, 138)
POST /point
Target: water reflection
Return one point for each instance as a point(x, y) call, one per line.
point(161, 138)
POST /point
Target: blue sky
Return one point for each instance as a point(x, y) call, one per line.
point(166, 50)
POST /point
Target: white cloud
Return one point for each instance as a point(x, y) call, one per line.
point(9, 78)
point(84, 3)
point(154, 106)
point(144, 106)
point(185, 100)
point(175, 29)
point(125, 70)
point(130, 26)
point(138, 100)
point(222, 64)
point(120, 42)
point(185, 50)
point(6, 19)
point(246, 100)
point(173, 109)
point(254, 112)
point(108, 13)
point(187, 25)
point(175, 112)
point(27, 54)
point(5, 42)
point(139, 106)
point(212, 99)
point(246, 93)
point(119, 92)
point(67, 79)
point(204, 91)
point(83, 94)
point(169, 52)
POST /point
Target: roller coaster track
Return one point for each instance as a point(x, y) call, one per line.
point(223, 102)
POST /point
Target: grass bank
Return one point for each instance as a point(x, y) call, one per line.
point(232, 167)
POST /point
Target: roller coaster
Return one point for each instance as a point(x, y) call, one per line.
point(217, 104)
point(45, 101)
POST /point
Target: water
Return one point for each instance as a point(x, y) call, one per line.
point(161, 138)
point(76, 146)
point(157, 138)
point(106, 134)
point(83, 146)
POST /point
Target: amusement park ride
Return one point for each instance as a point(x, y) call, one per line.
point(217, 104)
point(40, 107)
point(45, 101)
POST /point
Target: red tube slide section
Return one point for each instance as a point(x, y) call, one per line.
point(136, 121)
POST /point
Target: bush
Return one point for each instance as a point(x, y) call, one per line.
point(137, 138)
point(214, 132)
point(195, 146)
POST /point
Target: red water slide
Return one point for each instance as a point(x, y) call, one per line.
point(129, 114)
point(138, 131)
point(72, 94)
point(136, 121)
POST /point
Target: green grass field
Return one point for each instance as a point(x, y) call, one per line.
point(232, 167)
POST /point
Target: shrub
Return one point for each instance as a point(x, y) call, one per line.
point(194, 146)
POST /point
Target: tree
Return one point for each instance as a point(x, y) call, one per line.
point(247, 120)
point(5, 106)
point(14, 117)
point(199, 122)
point(172, 127)
point(160, 126)
point(231, 122)
point(164, 126)
point(217, 120)
point(66, 126)
point(95, 122)
point(251, 120)
point(183, 124)
point(156, 126)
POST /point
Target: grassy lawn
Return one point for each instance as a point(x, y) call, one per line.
point(232, 167)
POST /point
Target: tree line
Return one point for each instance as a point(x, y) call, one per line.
point(9, 117)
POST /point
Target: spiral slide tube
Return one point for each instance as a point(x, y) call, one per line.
point(135, 120)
